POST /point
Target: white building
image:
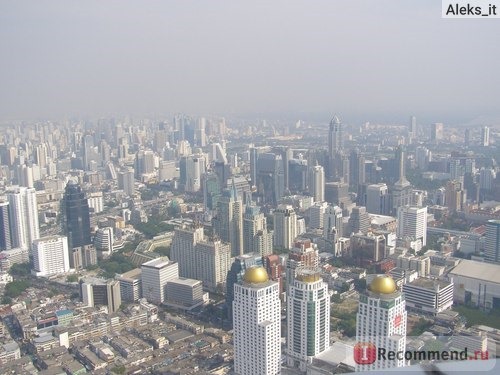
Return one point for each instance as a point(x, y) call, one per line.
point(308, 317)
point(103, 242)
point(96, 202)
point(381, 321)
point(183, 250)
point(155, 275)
point(23, 212)
point(412, 222)
point(285, 226)
point(256, 237)
point(213, 261)
point(50, 256)
point(316, 215)
point(317, 183)
point(131, 285)
point(257, 324)
point(492, 241)
point(332, 219)
point(428, 296)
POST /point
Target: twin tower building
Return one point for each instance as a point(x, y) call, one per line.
point(381, 321)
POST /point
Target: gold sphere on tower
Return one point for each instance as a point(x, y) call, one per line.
point(256, 275)
point(382, 284)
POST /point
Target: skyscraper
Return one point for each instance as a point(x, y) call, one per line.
point(77, 217)
point(50, 256)
point(380, 323)
point(228, 222)
point(155, 275)
point(437, 131)
point(401, 191)
point(485, 136)
point(303, 254)
point(412, 222)
point(270, 178)
point(100, 292)
point(412, 130)
point(492, 242)
point(285, 226)
point(335, 136)
point(126, 181)
point(377, 199)
point(308, 318)
point(257, 324)
point(212, 262)
point(317, 183)
point(357, 175)
point(182, 249)
point(5, 237)
point(333, 225)
point(23, 217)
point(256, 237)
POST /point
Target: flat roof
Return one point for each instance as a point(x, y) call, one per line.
point(478, 270)
point(429, 283)
point(132, 274)
point(157, 263)
point(185, 281)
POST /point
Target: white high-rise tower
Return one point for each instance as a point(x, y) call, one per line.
point(308, 318)
point(380, 324)
point(317, 183)
point(412, 222)
point(257, 324)
point(285, 226)
point(23, 212)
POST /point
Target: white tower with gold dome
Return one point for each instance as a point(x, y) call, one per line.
point(380, 325)
point(257, 324)
point(308, 317)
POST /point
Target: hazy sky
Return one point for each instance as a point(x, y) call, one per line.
point(363, 59)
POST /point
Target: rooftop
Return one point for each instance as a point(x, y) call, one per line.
point(157, 263)
point(429, 284)
point(478, 270)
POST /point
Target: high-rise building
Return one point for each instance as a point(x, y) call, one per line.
point(455, 195)
point(183, 250)
point(270, 178)
point(103, 242)
point(212, 262)
point(228, 222)
point(316, 213)
point(195, 168)
point(437, 131)
point(23, 216)
point(211, 190)
point(155, 275)
point(380, 323)
point(337, 193)
point(357, 173)
point(303, 254)
point(50, 256)
point(333, 227)
point(412, 130)
point(308, 317)
point(76, 218)
point(257, 324)
point(131, 285)
point(5, 236)
point(100, 292)
point(492, 241)
point(126, 181)
point(256, 237)
point(335, 136)
point(317, 183)
point(285, 226)
point(377, 199)
point(359, 221)
point(412, 222)
point(485, 136)
point(401, 191)
point(272, 264)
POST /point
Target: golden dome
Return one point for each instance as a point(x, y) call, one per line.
point(382, 284)
point(307, 275)
point(256, 275)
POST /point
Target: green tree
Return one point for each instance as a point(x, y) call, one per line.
point(72, 278)
point(16, 288)
point(20, 269)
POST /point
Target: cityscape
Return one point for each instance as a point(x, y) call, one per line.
point(246, 242)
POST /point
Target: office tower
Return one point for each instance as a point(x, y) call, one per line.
point(212, 263)
point(333, 227)
point(335, 136)
point(159, 140)
point(50, 256)
point(77, 217)
point(166, 171)
point(242, 187)
point(185, 293)
point(257, 324)
point(41, 155)
point(183, 251)
point(485, 136)
point(316, 213)
point(412, 222)
point(270, 178)
point(492, 241)
point(303, 254)
point(401, 191)
point(297, 175)
point(285, 226)
point(228, 222)
point(23, 217)
point(195, 168)
point(88, 153)
point(131, 285)
point(455, 195)
point(357, 175)
point(486, 178)
point(380, 323)
point(359, 221)
point(155, 275)
point(5, 236)
point(211, 190)
point(237, 271)
point(103, 242)
point(256, 237)
point(308, 317)
point(377, 199)
point(100, 292)
point(422, 157)
point(317, 183)
point(437, 131)
point(412, 130)
point(126, 181)
point(337, 193)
